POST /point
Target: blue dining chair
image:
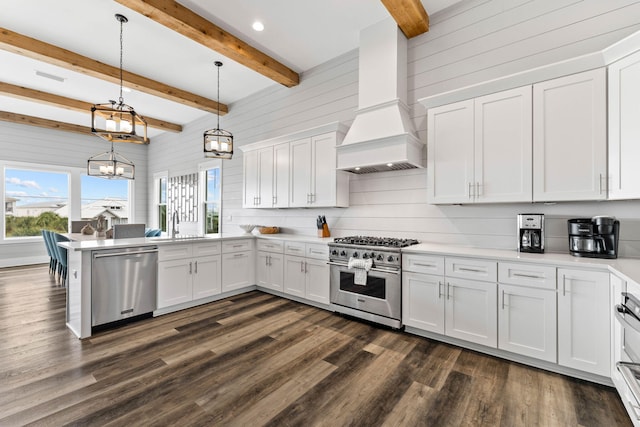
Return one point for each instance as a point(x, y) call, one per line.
point(62, 258)
point(53, 262)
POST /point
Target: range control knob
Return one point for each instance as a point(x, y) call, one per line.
point(390, 259)
point(355, 255)
point(380, 257)
point(365, 255)
point(343, 253)
point(334, 252)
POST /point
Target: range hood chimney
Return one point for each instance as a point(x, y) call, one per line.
point(382, 136)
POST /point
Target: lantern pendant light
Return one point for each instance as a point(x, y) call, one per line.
point(117, 121)
point(218, 143)
point(110, 165)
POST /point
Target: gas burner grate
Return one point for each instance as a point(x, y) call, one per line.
point(390, 242)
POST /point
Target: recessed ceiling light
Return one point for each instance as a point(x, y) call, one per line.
point(390, 164)
point(258, 26)
point(358, 169)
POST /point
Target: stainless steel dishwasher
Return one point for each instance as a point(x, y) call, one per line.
point(123, 283)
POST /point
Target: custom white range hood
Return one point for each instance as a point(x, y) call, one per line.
point(382, 136)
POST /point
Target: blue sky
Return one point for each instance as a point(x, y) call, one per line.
point(35, 186)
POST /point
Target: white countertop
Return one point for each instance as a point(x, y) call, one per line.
point(628, 268)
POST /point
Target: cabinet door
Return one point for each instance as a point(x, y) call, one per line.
point(470, 311)
point(250, 179)
point(237, 271)
point(262, 268)
point(294, 276)
point(323, 170)
point(624, 128)
point(280, 198)
point(584, 320)
point(265, 178)
point(503, 141)
point(300, 173)
point(423, 301)
point(174, 283)
point(270, 270)
point(618, 286)
point(317, 281)
point(527, 321)
point(207, 276)
point(570, 138)
point(450, 153)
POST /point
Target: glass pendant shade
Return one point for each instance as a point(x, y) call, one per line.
point(218, 143)
point(110, 165)
point(118, 123)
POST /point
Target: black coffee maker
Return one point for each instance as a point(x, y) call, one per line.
point(595, 237)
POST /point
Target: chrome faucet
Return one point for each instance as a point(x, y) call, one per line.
point(175, 221)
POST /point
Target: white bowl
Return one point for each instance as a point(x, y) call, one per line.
point(248, 228)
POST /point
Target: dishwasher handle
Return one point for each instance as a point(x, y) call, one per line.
point(149, 251)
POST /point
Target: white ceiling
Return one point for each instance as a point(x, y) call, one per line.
point(299, 33)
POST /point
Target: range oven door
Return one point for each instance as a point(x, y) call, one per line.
point(380, 297)
point(627, 377)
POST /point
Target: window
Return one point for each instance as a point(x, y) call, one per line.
point(107, 197)
point(159, 214)
point(212, 200)
point(35, 199)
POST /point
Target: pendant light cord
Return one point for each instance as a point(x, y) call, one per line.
point(218, 64)
point(122, 21)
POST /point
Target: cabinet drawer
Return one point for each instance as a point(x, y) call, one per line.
point(205, 249)
point(474, 269)
point(317, 251)
point(229, 246)
point(423, 264)
point(271, 245)
point(538, 276)
point(295, 248)
point(169, 252)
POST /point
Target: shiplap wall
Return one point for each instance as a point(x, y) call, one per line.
point(29, 144)
point(476, 41)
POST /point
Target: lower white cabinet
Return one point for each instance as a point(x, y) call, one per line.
point(527, 315)
point(237, 264)
point(270, 265)
point(188, 272)
point(307, 276)
point(584, 320)
point(454, 306)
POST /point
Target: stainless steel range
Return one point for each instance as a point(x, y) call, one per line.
point(366, 278)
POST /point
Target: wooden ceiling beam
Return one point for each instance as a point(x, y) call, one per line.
point(410, 16)
point(23, 119)
point(178, 18)
point(33, 95)
point(36, 49)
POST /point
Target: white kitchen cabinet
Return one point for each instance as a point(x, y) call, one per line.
point(270, 264)
point(527, 315)
point(237, 264)
point(479, 150)
point(314, 181)
point(470, 311)
point(306, 272)
point(423, 301)
point(570, 138)
point(527, 321)
point(624, 128)
point(618, 286)
point(188, 272)
point(584, 320)
point(266, 179)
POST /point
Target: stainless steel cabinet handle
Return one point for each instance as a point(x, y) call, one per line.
point(477, 193)
point(448, 290)
point(424, 265)
point(469, 190)
point(471, 270)
point(274, 200)
point(238, 255)
point(190, 268)
point(196, 263)
point(301, 266)
point(528, 276)
point(600, 182)
point(269, 260)
point(305, 267)
point(503, 299)
point(440, 289)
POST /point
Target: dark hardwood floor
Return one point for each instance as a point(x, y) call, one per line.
point(257, 359)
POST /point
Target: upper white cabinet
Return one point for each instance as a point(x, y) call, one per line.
point(570, 137)
point(624, 128)
point(315, 182)
point(479, 150)
point(266, 177)
point(297, 170)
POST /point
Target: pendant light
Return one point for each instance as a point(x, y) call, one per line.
point(218, 143)
point(110, 165)
point(117, 121)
